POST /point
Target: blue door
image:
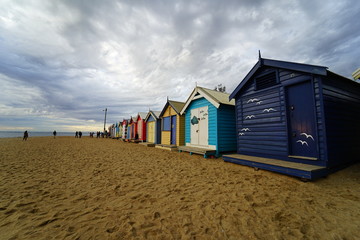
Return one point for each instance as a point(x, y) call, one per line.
point(301, 121)
point(173, 129)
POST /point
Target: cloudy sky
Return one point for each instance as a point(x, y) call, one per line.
point(63, 62)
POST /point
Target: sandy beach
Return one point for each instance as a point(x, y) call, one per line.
point(67, 188)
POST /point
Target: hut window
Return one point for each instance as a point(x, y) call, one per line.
point(166, 124)
point(265, 81)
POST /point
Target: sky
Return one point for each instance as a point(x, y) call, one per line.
point(63, 62)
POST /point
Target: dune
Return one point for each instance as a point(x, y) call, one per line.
point(88, 188)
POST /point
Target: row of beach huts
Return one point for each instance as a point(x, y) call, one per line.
point(297, 119)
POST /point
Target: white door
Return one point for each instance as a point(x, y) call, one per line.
point(199, 126)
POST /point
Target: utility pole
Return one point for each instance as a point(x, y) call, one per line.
point(105, 118)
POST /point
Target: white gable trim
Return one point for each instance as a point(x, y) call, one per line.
point(202, 94)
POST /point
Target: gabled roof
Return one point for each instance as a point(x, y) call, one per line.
point(133, 120)
point(155, 115)
point(142, 115)
point(216, 98)
point(177, 106)
point(300, 67)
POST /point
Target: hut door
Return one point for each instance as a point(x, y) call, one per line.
point(173, 130)
point(194, 126)
point(301, 120)
point(151, 132)
point(199, 126)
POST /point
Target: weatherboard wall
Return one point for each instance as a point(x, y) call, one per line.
point(341, 101)
point(141, 129)
point(226, 141)
point(157, 129)
point(180, 130)
point(221, 125)
point(261, 117)
point(212, 118)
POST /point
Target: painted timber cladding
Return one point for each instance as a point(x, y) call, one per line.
point(262, 117)
point(180, 128)
point(150, 135)
point(222, 131)
point(212, 111)
point(341, 102)
point(226, 128)
point(165, 135)
point(157, 127)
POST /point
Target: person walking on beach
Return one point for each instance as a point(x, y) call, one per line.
point(76, 134)
point(54, 133)
point(26, 135)
point(80, 134)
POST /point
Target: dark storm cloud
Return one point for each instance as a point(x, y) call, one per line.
point(68, 60)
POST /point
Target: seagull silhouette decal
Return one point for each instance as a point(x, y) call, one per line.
point(253, 100)
point(241, 134)
point(245, 129)
point(307, 136)
point(302, 142)
point(249, 116)
point(268, 109)
point(259, 102)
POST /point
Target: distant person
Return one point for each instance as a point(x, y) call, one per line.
point(76, 134)
point(26, 135)
point(54, 133)
point(80, 134)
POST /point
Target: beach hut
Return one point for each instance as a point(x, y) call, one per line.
point(172, 125)
point(111, 131)
point(133, 128)
point(296, 119)
point(141, 126)
point(124, 128)
point(120, 130)
point(209, 123)
point(117, 130)
point(153, 127)
point(128, 135)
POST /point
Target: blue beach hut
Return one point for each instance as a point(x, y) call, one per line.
point(128, 134)
point(209, 123)
point(296, 119)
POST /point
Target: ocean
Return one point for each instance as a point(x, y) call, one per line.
point(14, 134)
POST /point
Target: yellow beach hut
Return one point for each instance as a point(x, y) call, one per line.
point(172, 126)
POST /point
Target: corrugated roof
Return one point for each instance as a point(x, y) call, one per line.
point(142, 115)
point(156, 113)
point(176, 105)
point(219, 97)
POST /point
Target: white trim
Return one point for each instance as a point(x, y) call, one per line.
point(202, 94)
